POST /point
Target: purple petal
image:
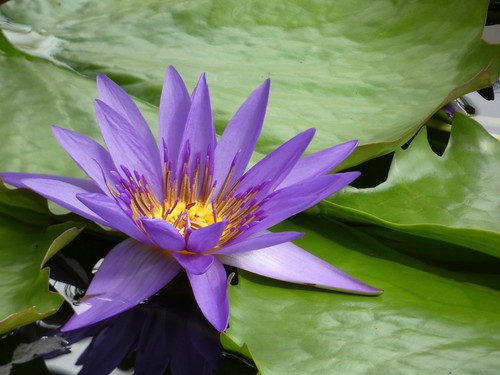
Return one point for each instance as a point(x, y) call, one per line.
point(174, 109)
point(319, 163)
point(293, 199)
point(210, 291)
point(90, 156)
point(275, 166)
point(130, 273)
point(264, 240)
point(61, 190)
point(164, 234)
point(109, 210)
point(199, 134)
point(205, 239)
point(312, 190)
point(195, 264)
point(240, 136)
point(129, 148)
point(289, 262)
point(117, 99)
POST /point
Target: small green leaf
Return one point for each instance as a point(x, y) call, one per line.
point(426, 322)
point(25, 245)
point(452, 198)
point(23, 205)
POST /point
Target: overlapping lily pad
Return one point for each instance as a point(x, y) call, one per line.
point(453, 198)
point(372, 71)
point(368, 70)
point(26, 243)
point(36, 95)
point(425, 322)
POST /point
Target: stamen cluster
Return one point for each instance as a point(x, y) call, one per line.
point(188, 201)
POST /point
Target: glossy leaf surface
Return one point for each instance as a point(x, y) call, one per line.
point(453, 198)
point(353, 70)
point(26, 243)
point(425, 322)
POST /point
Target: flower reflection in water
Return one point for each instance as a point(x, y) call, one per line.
point(159, 334)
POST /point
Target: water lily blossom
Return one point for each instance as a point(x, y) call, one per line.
point(187, 201)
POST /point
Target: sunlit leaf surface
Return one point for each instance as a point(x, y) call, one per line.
point(372, 71)
point(36, 95)
point(425, 322)
point(453, 198)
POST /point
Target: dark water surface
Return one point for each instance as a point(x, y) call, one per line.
point(166, 334)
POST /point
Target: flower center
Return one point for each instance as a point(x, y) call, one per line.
point(188, 203)
point(195, 215)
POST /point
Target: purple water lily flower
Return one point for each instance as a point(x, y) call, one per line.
point(187, 203)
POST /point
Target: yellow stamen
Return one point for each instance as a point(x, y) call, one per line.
point(188, 202)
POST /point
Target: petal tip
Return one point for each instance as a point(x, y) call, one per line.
point(371, 291)
point(309, 133)
point(264, 91)
point(222, 326)
point(57, 130)
point(352, 143)
point(172, 72)
point(101, 77)
point(98, 104)
point(102, 81)
point(71, 326)
point(203, 79)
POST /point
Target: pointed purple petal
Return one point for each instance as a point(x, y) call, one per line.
point(313, 190)
point(58, 189)
point(319, 163)
point(275, 166)
point(291, 200)
point(205, 239)
point(264, 240)
point(90, 156)
point(195, 264)
point(199, 131)
point(210, 291)
point(115, 97)
point(109, 210)
point(240, 136)
point(289, 262)
point(130, 273)
point(164, 234)
point(129, 148)
point(174, 109)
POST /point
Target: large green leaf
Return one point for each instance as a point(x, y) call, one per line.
point(426, 322)
point(453, 198)
point(26, 243)
point(372, 71)
point(35, 95)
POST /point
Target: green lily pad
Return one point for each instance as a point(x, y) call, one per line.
point(436, 252)
point(373, 71)
point(26, 243)
point(36, 95)
point(452, 198)
point(426, 322)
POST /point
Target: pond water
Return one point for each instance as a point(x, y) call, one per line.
point(166, 334)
